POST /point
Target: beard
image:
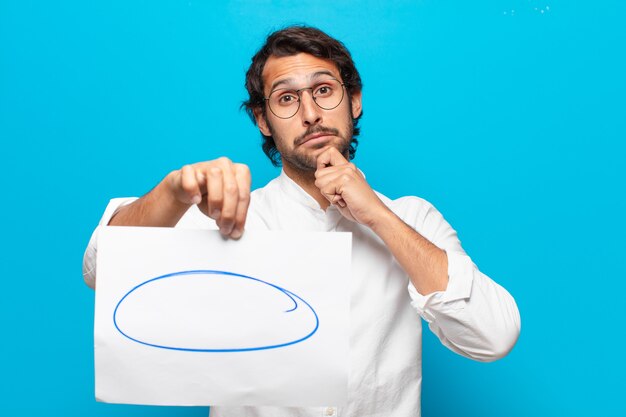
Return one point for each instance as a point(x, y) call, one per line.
point(302, 159)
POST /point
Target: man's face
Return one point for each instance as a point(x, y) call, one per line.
point(301, 138)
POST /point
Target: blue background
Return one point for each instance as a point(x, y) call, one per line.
point(508, 115)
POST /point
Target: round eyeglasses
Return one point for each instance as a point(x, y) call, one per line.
point(284, 103)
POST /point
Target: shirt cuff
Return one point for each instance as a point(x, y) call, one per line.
point(459, 288)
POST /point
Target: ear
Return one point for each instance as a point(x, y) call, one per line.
point(357, 107)
point(261, 122)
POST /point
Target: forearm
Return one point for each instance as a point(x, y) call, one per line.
point(468, 311)
point(425, 263)
point(158, 208)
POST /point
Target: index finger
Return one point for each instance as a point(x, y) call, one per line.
point(330, 157)
point(242, 176)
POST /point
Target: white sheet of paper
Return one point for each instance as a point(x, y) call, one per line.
point(185, 317)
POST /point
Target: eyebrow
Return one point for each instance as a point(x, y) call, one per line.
point(287, 81)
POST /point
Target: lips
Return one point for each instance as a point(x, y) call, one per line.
point(315, 135)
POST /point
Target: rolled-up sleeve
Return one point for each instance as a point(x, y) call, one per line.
point(474, 316)
point(91, 253)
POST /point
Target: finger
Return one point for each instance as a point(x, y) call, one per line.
point(326, 183)
point(215, 196)
point(338, 200)
point(337, 187)
point(204, 205)
point(331, 191)
point(189, 185)
point(229, 205)
point(242, 176)
point(330, 172)
point(338, 175)
point(200, 179)
point(330, 157)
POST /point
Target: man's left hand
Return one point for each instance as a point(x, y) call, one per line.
point(343, 185)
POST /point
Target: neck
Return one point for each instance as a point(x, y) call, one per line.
point(306, 180)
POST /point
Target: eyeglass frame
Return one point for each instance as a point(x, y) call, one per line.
point(298, 92)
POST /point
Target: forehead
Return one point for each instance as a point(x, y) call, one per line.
point(295, 70)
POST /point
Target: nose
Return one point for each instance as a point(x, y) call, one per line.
point(311, 112)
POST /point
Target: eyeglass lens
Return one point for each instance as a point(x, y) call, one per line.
point(327, 94)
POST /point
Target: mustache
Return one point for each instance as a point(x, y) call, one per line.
point(314, 130)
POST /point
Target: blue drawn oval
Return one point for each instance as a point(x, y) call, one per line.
point(288, 293)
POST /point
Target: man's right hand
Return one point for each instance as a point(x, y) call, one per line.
point(220, 188)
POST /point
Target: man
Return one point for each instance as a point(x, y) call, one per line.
point(305, 97)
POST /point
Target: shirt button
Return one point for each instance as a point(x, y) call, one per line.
point(330, 411)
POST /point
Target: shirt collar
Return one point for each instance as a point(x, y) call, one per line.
point(294, 191)
point(297, 193)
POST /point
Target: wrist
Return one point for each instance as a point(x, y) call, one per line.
point(166, 199)
point(158, 208)
point(383, 222)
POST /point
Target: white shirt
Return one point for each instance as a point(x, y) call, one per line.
point(474, 316)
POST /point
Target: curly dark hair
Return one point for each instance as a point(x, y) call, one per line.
point(291, 41)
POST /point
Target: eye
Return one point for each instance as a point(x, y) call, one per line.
point(323, 90)
point(287, 98)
